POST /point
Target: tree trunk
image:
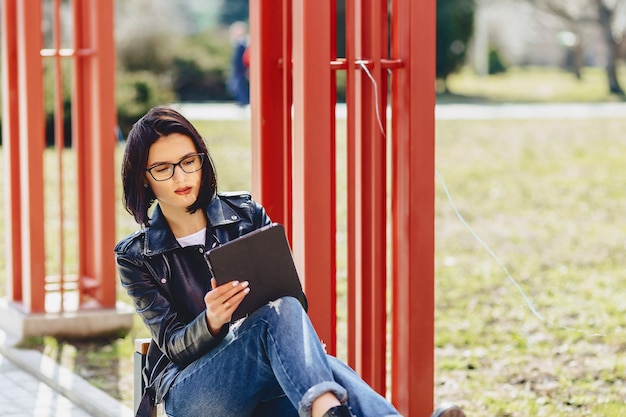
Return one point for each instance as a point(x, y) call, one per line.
point(605, 17)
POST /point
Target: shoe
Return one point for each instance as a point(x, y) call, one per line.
point(339, 411)
point(448, 410)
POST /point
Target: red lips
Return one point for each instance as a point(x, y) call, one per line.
point(183, 191)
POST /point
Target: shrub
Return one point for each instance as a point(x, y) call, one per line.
point(200, 68)
point(137, 92)
point(455, 25)
point(496, 65)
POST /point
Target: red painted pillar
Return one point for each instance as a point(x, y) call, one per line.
point(313, 162)
point(271, 98)
point(10, 134)
point(31, 143)
point(413, 126)
point(353, 48)
point(370, 190)
point(94, 121)
point(313, 173)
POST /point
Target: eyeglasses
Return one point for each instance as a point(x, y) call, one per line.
point(189, 164)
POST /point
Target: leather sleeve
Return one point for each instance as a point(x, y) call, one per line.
point(181, 342)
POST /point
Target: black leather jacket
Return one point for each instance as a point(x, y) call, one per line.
point(167, 283)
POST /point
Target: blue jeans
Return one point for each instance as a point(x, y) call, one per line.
point(270, 364)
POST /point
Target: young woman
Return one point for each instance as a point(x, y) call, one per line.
point(199, 362)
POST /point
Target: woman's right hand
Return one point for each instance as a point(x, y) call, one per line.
point(222, 301)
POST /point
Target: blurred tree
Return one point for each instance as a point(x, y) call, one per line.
point(161, 38)
point(455, 25)
point(199, 68)
point(233, 10)
point(341, 28)
point(496, 65)
point(598, 12)
point(148, 34)
point(136, 93)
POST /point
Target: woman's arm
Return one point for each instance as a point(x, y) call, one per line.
point(182, 341)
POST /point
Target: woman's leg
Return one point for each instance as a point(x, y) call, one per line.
point(274, 347)
point(279, 406)
point(296, 355)
point(227, 381)
point(362, 399)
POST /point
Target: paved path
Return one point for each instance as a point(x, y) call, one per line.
point(229, 111)
point(529, 111)
point(23, 395)
point(33, 385)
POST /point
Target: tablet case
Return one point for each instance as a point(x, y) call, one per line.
point(263, 258)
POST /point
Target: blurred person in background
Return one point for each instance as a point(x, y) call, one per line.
point(238, 83)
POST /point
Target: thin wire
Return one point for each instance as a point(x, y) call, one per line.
point(378, 118)
point(528, 301)
point(504, 268)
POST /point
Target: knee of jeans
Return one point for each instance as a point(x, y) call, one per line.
point(285, 305)
point(284, 308)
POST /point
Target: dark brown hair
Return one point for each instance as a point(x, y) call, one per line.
point(158, 122)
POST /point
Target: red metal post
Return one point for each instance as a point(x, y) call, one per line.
point(11, 134)
point(81, 124)
point(413, 126)
point(353, 47)
point(313, 185)
point(94, 124)
point(370, 192)
point(24, 141)
point(103, 159)
point(287, 90)
point(270, 97)
point(59, 142)
point(31, 143)
point(313, 209)
point(287, 134)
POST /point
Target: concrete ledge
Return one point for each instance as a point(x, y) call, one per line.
point(72, 324)
point(80, 392)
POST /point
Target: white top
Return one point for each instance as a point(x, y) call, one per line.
point(198, 238)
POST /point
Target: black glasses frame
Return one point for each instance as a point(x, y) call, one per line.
point(178, 164)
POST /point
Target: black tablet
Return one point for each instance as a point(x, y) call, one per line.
point(263, 258)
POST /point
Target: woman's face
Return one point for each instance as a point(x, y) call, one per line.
point(180, 191)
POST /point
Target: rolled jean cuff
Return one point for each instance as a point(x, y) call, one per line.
point(316, 391)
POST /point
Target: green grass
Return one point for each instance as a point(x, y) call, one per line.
point(532, 84)
point(547, 197)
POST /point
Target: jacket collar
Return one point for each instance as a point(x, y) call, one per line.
point(159, 238)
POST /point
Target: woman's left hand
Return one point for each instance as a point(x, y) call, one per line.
point(222, 301)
